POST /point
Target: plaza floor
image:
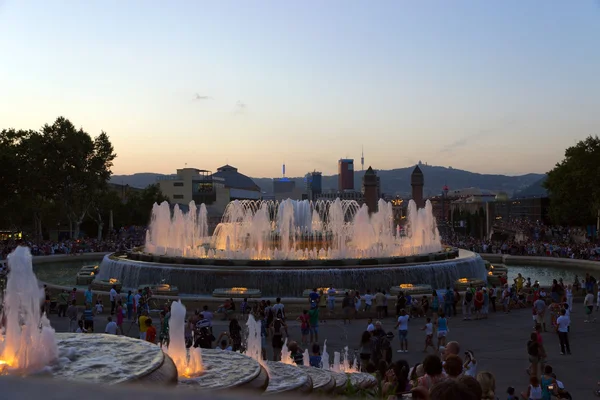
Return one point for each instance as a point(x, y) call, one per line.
point(498, 343)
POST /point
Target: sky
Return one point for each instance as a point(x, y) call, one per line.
point(486, 86)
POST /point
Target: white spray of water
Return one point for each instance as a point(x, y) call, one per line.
point(254, 341)
point(189, 363)
point(29, 343)
point(286, 354)
point(306, 358)
point(325, 357)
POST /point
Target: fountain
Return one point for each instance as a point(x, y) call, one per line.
point(289, 246)
point(29, 345)
point(210, 368)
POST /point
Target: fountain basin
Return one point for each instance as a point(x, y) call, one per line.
point(411, 289)
point(110, 359)
point(105, 285)
point(337, 292)
point(278, 280)
point(86, 275)
point(227, 370)
point(236, 292)
point(323, 381)
point(287, 378)
point(341, 380)
point(463, 283)
point(362, 380)
point(162, 289)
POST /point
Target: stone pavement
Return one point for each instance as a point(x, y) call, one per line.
point(499, 345)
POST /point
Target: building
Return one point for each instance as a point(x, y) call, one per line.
point(371, 189)
point(345, 174)
point(314, 185)
point(285, 188)
point(417, 182)
point(347, 195)
point(202, 186)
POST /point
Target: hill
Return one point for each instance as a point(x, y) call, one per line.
point(395, 181)
point(536, 189)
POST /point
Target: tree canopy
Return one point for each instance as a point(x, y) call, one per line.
point(574, 184)
point(59, 175)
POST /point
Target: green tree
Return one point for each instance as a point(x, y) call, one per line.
point(105, 206)
point(81, 167)
point(574, 184)
point(139, 204)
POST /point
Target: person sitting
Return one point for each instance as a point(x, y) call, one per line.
point(226, 309)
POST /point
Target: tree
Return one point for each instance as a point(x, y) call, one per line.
point(81, 167)
point(574, 184)
point(139, 204)
point(103, 205)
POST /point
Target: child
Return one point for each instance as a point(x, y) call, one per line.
point(315, 358)
point(511, 393)
point(534, 391)
point(99, 307)
point(150, 331)
point(81, 329)
point(428, 328)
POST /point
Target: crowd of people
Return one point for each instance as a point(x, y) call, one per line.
point(532, 239)
point(118, 240)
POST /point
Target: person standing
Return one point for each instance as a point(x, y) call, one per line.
point(113, 299)
point(563, 323)
point(402, 326)
point(129, 305)
point(63, 303)
point(448, 301)
point(368, 300)
point(493, 294)
point(588, 303)
point(540, 311)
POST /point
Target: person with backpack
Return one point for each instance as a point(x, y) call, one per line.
point(277, 330)
point(380, 345)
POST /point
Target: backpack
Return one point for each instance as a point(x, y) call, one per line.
point(279, 314)
point(468, 296)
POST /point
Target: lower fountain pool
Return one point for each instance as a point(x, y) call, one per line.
point(287, 378)
point(323, 381)
point(110, 359)
point(227, 370)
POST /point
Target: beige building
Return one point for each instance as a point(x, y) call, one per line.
point(213, 189)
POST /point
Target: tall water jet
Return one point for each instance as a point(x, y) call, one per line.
point(254, 340)
point(292, 230)
point(188, 362)
point(29, 343)
point(325, 357)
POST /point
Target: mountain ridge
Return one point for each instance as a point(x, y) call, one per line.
point(394, 181)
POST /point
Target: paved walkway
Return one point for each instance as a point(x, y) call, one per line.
point(499, 344)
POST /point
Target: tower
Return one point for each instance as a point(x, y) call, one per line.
point(370, 189)
point(362, 158)
point(417, 181)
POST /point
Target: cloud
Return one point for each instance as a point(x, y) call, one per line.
point(465, 140)
point(199, 97)
point(240, 107)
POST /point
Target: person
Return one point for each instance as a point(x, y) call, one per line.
point(365, 350)
point(470, 365)
point(313, 322)
point(534, 390)
point(331, 300)
point(142, 324)
point(111, 327)
point(279, 309)
point(540, 310)
point(277, 329)
point(368, 300)
point(534, 353)
point(63, 303)
point(348, 307)
point(488, 385)
point(442, 330)
point(447, 390)
point(370, 326)
point(315, 359)
point(99, 307)
point(428, 328)
point(150, 331)
point(453, 366)
point(113, 299)
point(511, 393)
point(546, 382)
point(468, 304)
point(129, 305)
point(313, 297)
point(472, 384)
point(296, 353)
point(235, 334)
point(448, 301)
point(588, 303)
point(80, 328)
point(563, 323)
point(402, 326)
point(72, 315)
point(304, 326)
point(88, 295)
point(432, 365)
point(88, 318)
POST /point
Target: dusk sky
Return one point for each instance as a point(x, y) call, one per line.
point(486, 86)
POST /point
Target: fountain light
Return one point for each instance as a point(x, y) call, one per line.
point(490, 272)
point(236, 292)
point(406, 286)
point(113, 281)
point(463, 280)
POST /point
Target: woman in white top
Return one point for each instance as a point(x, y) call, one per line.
point(534, 391)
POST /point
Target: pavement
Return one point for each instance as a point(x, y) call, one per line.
point(498, 343)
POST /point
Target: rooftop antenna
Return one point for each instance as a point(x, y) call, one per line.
point(283, 169)
point(362, 158)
